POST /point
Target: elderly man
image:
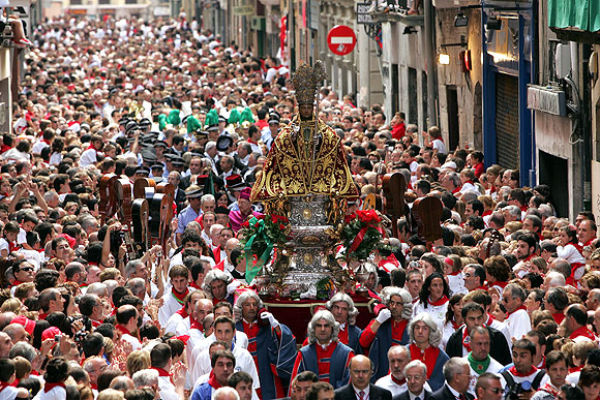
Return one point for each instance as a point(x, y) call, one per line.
point(395, 381)
point(324, 355)
point(459, 344)
point(458, 376)
point(388, 328)
point(416, 382)
point(192, 211)
point(360, 386)
point(518, 322)
point(342, 307)
point(269, 342)
point(425, 338)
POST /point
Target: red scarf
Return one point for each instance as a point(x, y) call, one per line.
point(124, 331)
point(17, 283)
point(397, 381)
point(196, 325)
point(194, 285)
point(49, 386)
point(161, 371)
point(490, 320)
point(466, 340)
point(582, 331)
point(440, 302)
point(548, 388)
point(213, 382)
point(179, 296)
point(514, 372)
point(558, 317)
point(183, 312)
point(429, 356)
point(4, 385)
point(508, 314)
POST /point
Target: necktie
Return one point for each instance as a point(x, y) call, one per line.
point(417, 398)
point(361, 395)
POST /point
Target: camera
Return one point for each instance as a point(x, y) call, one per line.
point(517, 389)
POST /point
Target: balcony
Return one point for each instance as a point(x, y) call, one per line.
point(455, 3)
point(575, 20)
point(394, 11)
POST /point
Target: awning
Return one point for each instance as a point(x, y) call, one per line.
point(580, 14)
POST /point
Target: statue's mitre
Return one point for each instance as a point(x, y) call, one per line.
point(307, 80)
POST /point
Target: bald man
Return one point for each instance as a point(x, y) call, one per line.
point(360, 386)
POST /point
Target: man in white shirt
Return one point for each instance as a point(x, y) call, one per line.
point(160, 358)
point(517, 321)
point(127, 325)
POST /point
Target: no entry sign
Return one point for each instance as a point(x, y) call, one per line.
point(341, 40)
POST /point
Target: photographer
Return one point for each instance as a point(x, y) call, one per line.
point(523, 378)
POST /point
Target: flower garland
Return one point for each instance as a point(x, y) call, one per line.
point(259, 235)
point(361, 233)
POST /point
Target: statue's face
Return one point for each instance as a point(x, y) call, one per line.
point(306, 111)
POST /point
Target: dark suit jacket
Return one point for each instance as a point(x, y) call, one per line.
point(444, 393)
point(499, 349)
point(405, 396)
point(180, 200)
point(375, 393)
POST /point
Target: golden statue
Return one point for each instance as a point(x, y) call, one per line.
point(307, 157)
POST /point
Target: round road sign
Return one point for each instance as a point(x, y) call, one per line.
point(341, 40)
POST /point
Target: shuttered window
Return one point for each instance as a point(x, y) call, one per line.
point(507, 121)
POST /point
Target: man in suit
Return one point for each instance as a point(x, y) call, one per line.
point(415, 373)
point(458, 377)
point(416, 380)
point(459, 343)
point(360, 386)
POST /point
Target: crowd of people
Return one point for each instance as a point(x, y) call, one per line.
point(506, 304)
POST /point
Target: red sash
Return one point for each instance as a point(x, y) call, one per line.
point(428, 357)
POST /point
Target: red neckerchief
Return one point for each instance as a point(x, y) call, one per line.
point(580, 247)
point(17, 283)
point(397, 381)
point(220, 265)
point(486, 213)
point(195, 324)
point(500, 283)
point(582, 331)
point(456, 190)
point(514, 372)
point(183, 312)
point(429, 356)
point(455, 324)
point(440, 302)
point(95, 323)
point(217, 254)
point(490, 320)
point(471, 182)
point(161, 371)
point(523, 208)
point(49, 386)
point(179, 296)
point(575, 369)
point(212, 381)
point(13, 246)
point(124, 331)
point(558, 317)
point(42, 316)
point(466, 340)
point(93, 386)
point(454, 273)
point(4, 385)
point(195, 286)
point(548, 388)
point(508, 314)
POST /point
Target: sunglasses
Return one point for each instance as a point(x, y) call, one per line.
point(26, 269)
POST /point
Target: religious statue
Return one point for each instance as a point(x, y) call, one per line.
point(306, 178)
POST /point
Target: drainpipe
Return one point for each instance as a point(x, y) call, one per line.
point(430, 63)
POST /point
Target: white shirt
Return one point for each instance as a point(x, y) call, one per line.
point(88, 157)
point(387, 383)
point(365, 392)
point(494, 367)
point(438, 313)
point(132, 340)
point(166, 389)
point(57, 393)
point(243, 362)
point(9, 393)
point(518, 324)
point(170, 306)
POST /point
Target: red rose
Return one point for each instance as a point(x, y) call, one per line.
point(281, 226)
point(368, 216)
